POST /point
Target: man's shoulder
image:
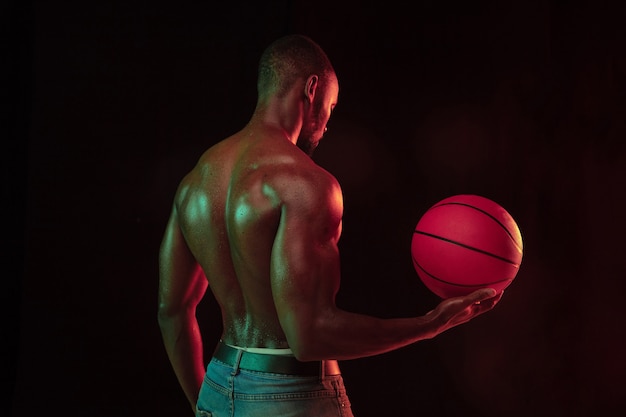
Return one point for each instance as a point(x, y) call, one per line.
point(302, 184)
point(296, 169)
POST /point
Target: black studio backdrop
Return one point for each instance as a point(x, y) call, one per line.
point(523, 102)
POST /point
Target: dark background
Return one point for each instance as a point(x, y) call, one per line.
point(110, 103)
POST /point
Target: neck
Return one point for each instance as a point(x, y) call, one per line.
point(285, 114)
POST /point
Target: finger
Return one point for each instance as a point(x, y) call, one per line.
point(482, 294)
point(489, 303)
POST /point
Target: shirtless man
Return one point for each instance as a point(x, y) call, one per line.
point(257, 222)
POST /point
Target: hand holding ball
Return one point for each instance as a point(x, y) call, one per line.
point(466, 242)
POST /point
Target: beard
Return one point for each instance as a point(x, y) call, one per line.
point(311, 134)
point(306, 144)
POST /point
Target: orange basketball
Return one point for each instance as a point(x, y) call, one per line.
point(466, 242)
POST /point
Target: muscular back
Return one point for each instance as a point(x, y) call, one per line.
point(229, 211)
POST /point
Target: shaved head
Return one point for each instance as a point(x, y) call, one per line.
point(288, 59)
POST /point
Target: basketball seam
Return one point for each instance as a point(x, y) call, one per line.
point(468, 247)
point(508, 232)
point(455, 283)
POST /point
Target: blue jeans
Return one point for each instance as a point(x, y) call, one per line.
point(231, 392)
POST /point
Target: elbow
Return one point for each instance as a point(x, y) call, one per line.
point(305, 355)
point(309, 345)
point(166, 314)
point(315, 336)
point(163, 316)
point(313, 352)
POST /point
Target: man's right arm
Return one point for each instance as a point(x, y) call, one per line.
point(182, 285)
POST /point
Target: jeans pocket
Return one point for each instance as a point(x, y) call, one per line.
point(202, 413)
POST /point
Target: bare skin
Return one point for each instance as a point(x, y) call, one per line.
point(259, 221)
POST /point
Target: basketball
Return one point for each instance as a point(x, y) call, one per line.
point(466, 242)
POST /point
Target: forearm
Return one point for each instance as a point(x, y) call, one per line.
point(337, 334)
point(183, 344)
point(353, 335)
point(346, 335)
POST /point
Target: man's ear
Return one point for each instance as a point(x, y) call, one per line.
point(310, 87)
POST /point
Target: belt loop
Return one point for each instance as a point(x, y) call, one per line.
point(237, 362)
point(322, 370)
